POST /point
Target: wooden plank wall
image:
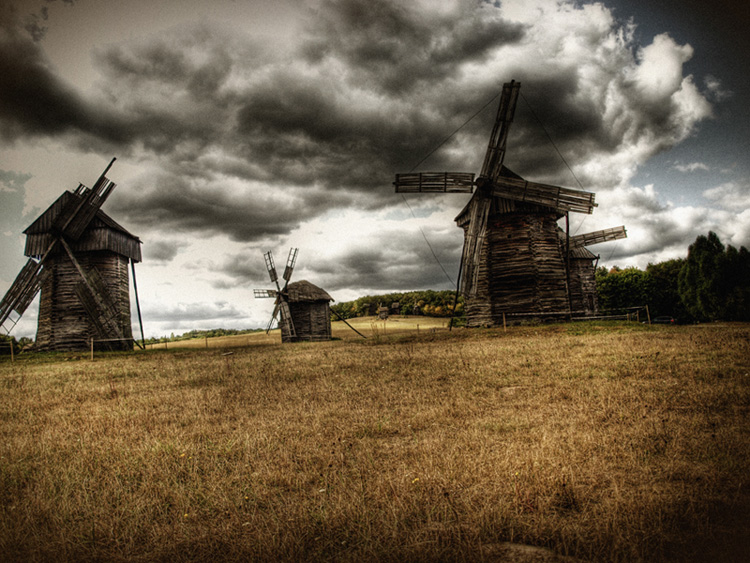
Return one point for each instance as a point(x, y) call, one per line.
point(583, 287)
point(63, 322)
point(312, 321)
point(522, 270)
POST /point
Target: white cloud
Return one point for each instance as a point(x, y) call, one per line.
point(691, 167)
point(730, 195)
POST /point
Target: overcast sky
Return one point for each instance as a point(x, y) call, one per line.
point(246, 126)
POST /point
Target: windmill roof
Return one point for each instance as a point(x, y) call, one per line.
point(582, 252)
point(303, 290)
point(500, 204)
point(43, 223)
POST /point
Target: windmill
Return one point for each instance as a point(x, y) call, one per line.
point(78, 259)
point(303, 307)
point(282, 298)
point(513, 261)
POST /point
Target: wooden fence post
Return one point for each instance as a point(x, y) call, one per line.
point(92, 349)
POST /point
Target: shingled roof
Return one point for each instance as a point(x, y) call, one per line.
point(303, 290)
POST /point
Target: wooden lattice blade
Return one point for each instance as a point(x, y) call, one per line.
point(596, 237)
point(22, 291)
point(493, 158)
point(286, 318)
point(290, 262)
point(561, 199)
point(264, 293)
point(473, 242)
point(435, 182)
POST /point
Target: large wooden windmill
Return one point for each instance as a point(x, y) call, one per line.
point(78, 259)
point(302, 308)
point(513, 260)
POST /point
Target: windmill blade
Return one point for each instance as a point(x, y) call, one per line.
point(286, 319)
point(271, 267)
point(474, 241)
point(596, 237)
point(264, 293)
point(72, 222)
point(290, 262)
point(435, 182)
point(273, 316)
point(493, 158)
point(561, 199)
point(21, 292)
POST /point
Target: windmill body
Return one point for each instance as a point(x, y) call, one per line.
point(303, 308)
point(514, 261)
point(78, 260)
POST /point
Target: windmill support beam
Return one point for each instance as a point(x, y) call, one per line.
point(104, 312)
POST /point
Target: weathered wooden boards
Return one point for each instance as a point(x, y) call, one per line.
point(436, 182)
point(596, 237)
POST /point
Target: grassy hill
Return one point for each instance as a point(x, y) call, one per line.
point(603, 441)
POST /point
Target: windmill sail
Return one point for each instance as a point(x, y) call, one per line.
point(493, 158)
point(82, 209)
point(437, 182)
point(560, 199)
point(596, 237)
point(21, 292)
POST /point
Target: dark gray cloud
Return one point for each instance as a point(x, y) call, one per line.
point(251, 142)
point(399, 48)
point(162, 251)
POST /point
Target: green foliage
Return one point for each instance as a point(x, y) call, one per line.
point(714, 281)
point(621, 289)
point(427, 302)
point(6, 342)
point(664, 296)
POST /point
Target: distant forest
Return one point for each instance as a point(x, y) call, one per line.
point(426, 302)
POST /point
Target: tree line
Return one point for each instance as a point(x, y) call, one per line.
point(712, 283)
point(425, 302)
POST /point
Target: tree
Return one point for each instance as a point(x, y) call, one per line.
point(714, 282)
point(663, 292)
point(618, 289)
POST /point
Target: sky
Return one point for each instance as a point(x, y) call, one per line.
point(241, 127)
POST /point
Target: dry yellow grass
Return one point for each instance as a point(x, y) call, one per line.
point(609, 442)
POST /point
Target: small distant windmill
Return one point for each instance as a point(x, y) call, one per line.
point(513, 260)
point(78, 258)
point(303, 308)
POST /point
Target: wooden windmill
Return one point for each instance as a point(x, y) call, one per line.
point(302, 308)
point(78, 258)
point(513, 261)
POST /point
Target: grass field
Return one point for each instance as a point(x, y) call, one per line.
point(604, 441)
